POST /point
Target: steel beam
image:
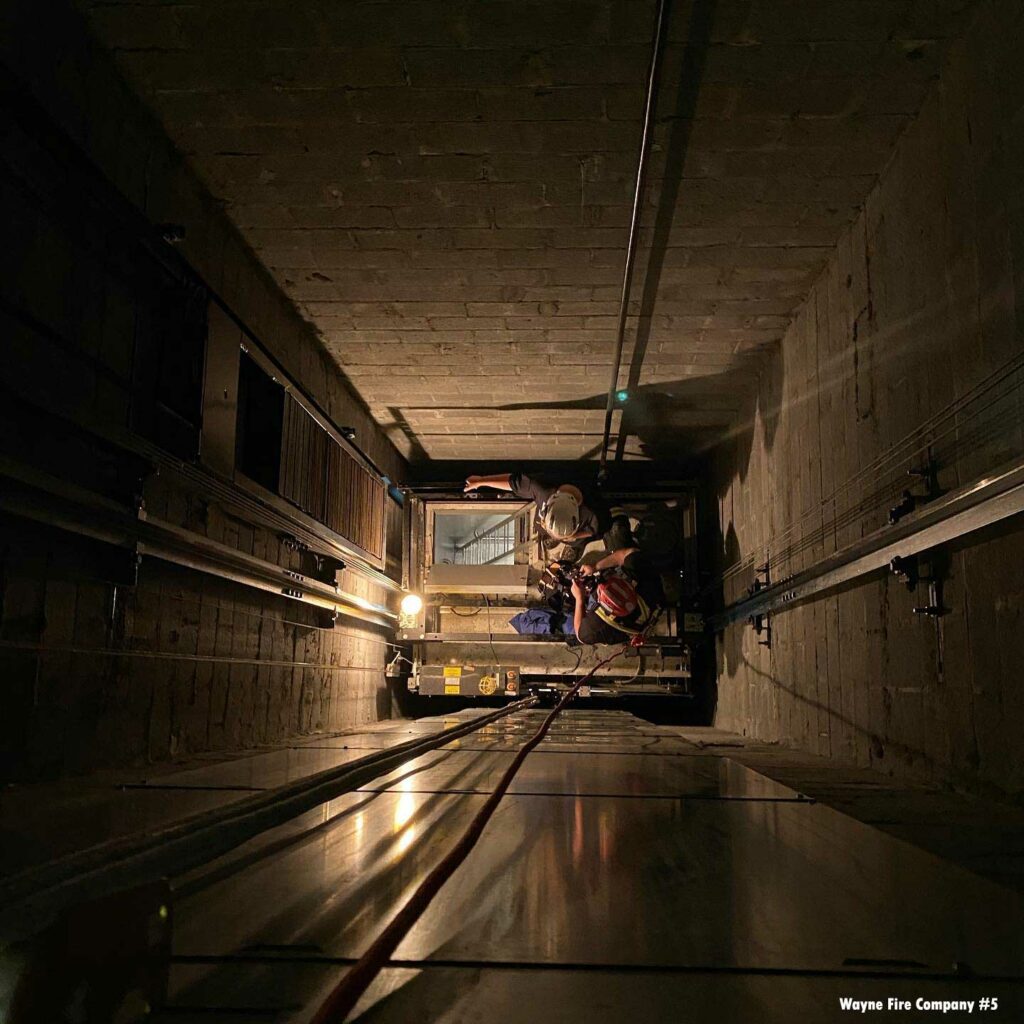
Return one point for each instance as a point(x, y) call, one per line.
point(523, 638)
point(985, 502)
point(33, 495)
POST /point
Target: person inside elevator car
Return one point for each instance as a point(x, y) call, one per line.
point(562, 517)
point(623, 604)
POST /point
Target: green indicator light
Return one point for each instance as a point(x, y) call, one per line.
point(622, 395)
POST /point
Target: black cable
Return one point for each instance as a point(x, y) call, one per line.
point(461, 615)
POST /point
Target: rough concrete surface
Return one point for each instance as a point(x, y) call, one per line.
point(444, 188)
point(920, 305)
point(101, 674)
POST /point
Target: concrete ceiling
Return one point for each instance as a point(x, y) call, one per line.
point(443, 187)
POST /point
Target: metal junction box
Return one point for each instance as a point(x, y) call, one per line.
point(468, 681)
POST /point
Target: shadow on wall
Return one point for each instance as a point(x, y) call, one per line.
point(725, 464)
point(729, 457)
point(730, 656)
point(697, 33)
point(726, 461)
point(400, 425)
point(726, 549)
point(769, 393)
point(673, 420)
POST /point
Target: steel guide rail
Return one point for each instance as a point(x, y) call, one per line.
point(36, 496)
point(23, 113)
point(954, 515)
point(556, 640)
point(949, 422)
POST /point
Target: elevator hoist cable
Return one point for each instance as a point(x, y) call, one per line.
point(343, 997)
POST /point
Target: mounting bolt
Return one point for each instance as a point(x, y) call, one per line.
point(172, 233)
point(905, 570)
point(907, 505)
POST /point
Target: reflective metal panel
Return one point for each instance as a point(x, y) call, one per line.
point(567, 774)
point(623, 856)
point(615, 881)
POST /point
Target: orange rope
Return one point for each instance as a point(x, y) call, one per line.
point(344, 996)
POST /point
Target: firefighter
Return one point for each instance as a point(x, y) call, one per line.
point(562, 517)
point(622, 605)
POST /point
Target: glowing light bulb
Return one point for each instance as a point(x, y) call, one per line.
point(622, 395)
point(411, 604)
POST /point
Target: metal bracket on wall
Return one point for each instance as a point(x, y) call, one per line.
point(318, 566)
point(761, 622)
point(325, 568)
point(762, 580)
point(938, 572)
point(763, 628)
point(927, 476)
point(908, 571)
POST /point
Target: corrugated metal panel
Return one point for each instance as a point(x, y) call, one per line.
point(304, 460)
point(355, 501)
point(326, 482)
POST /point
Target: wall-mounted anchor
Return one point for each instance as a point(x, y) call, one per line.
point(927, 476)
point(172, 234)
point(905, 569)
point(762, 580)
point(326, 568)
point(763, 629)
point(906, 505)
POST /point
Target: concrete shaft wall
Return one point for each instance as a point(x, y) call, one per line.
point(96, 673)
point(445, 188)
point(922, 300)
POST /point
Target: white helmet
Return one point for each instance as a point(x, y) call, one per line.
point(560, 515)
